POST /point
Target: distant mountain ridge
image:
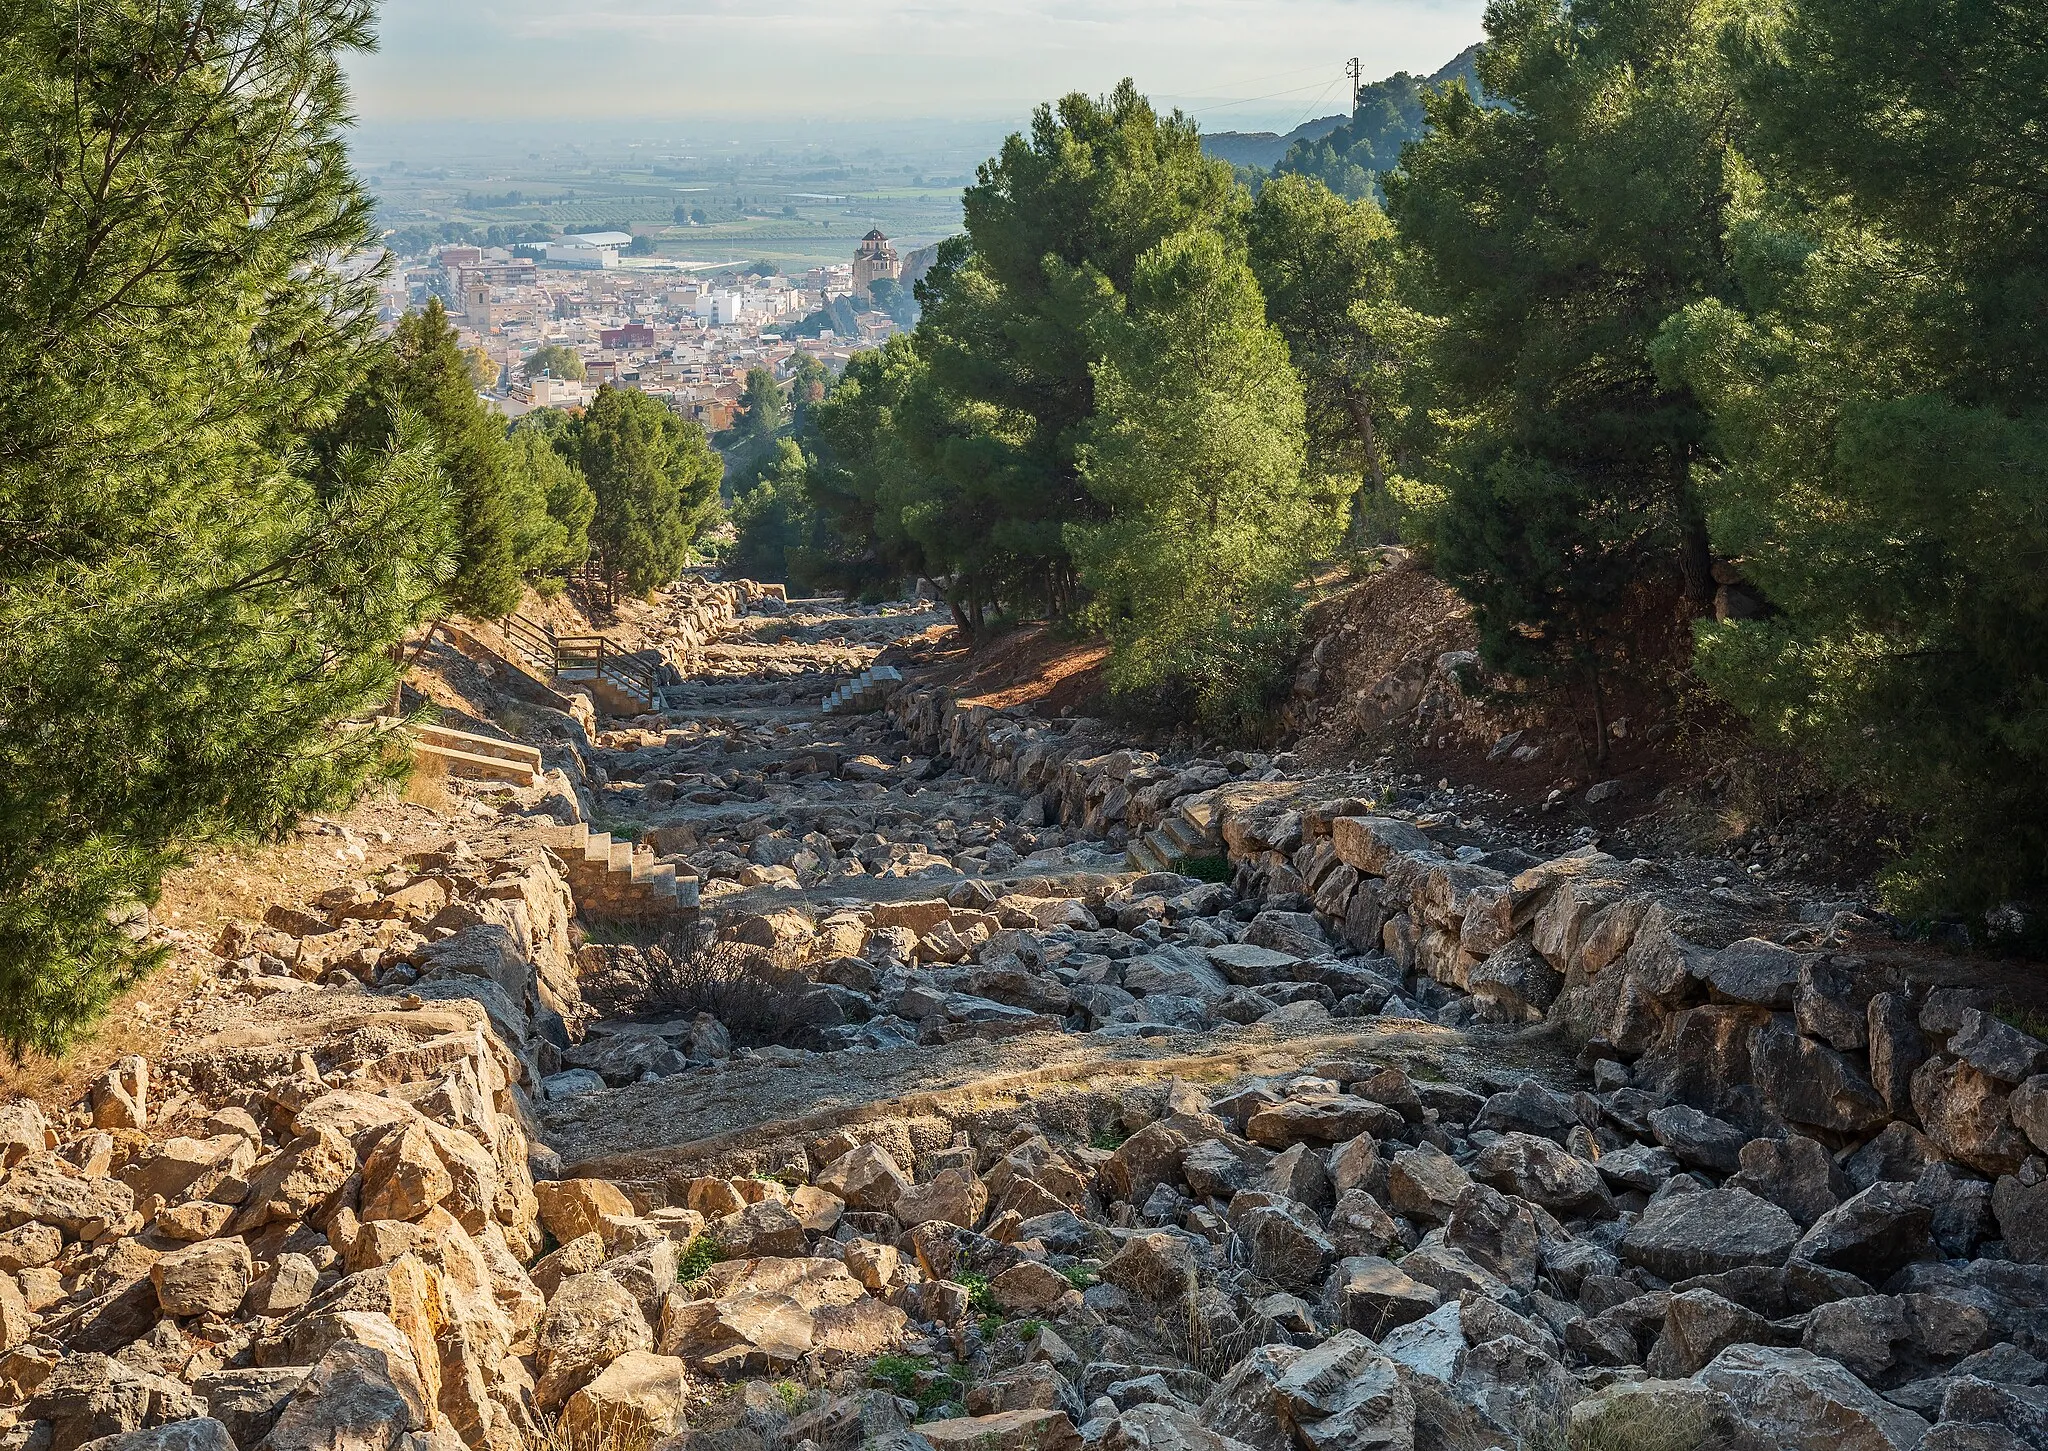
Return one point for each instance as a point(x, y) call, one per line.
point(1267, 149)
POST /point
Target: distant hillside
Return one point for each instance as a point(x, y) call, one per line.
point(1348, 152)
point(1263, 148)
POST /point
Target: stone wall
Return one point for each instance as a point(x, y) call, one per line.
point(1708, 1010)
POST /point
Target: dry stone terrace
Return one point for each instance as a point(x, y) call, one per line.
point(937, 1123)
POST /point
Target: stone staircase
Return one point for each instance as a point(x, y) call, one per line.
point(472, 757)
point(865, 692)
point(1189, 831)
point(612, 878)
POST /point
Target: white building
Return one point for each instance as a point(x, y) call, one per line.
point(589, 251)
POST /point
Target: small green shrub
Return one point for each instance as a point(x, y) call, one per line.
point(1079, 1276)
point(1109, 1139)
point(1208, 868)
point(696, 1260)
point(977, 1292)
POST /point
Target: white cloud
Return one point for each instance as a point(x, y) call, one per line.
point(1248, 61)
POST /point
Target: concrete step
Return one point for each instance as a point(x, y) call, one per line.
point(1181, 837)
point(475, 745)
point(472, 767)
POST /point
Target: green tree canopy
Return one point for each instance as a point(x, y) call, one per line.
point(422, 371)
point(1880, 400)
point(655, 478)
point(190, 596)
point(1196, 455)
point(1006, 335)
point(1553, 237)
point(1328, 271)
point(556, 360)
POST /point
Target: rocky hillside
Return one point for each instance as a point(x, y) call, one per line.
point(985, 1082)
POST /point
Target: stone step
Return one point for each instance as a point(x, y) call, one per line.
point(475, 745)
point(472, 767)
point(1177, 834)
point(1143, 857)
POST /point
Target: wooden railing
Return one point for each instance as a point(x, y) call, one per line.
point(582, 657)
point(593, 656)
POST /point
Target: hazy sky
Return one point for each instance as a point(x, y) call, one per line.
point(1236, 64)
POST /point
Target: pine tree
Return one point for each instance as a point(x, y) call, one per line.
point(1196, 456)
point(655, 478)
point(1005, 337)
point(424, 371)
point(1880, 400)
point(1328, 271)
point(1553, 235)
point(190, 598)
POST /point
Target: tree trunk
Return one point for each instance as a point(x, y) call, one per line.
point(1375, 469)
point(1599, 716)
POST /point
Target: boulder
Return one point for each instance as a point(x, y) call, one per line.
point(769, 1227)
point(953, 1196)
point(1671, 1415)
point(357, 1398)
point(1797, 1174)
point(865, 1177)
point(1373, 1296)
point(1516, 981)
point(637, 1400)
point(202, 1433)
point(591, 1322)
point(209, 1278)
point(1964, 1111)
point(1896, 1049)
point(1021, 1430)
point(1699, 1140)
point(1699, 1325)
point(44, 1189)
point(1797, 1401)
point(572, 1208)
point(1322, 1118)
point(248, 1402)
point(1286, 1245)
point(1344, 1394)
point(404, 1177)
point(1706, 1233)
point(87, 1397)
point(1871, 1235)
point(1152, 1266)
point(1424, 1183)
point(1530, 1108)
point(1541, 1172)
point(1752, 972)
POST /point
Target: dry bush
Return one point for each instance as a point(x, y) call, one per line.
point(427, 783)
point(760, 996)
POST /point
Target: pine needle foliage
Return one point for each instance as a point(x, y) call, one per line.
point(189, 597)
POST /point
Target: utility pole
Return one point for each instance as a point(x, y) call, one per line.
point(1357, 74)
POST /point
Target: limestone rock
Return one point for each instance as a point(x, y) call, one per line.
point(954, 1196)
point(1871, 1235)
point(210, 1278)
point(358, 1398)
point(202, 1433)
point(1709, 1232)
point(1375, 1296)
point(1964, 1111)
point(866, 1178)
point(1539, 1171)
point(1023, 1430)
point(637, 1401)
point(592, 1321)
point(403, 1177)
point(1797, 1401)
point(1425, 1182)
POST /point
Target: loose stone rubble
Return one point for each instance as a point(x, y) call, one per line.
point(1774, 1203)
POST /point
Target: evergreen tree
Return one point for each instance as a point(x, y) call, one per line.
point(655, 478)
point(877, 502)
point(190, 597)
point(1880, 399)
point(425, 372)
point(1553, 236)
point(1327, 268)
point(1196, 457)
point(554, 505)
point(1006, 337)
